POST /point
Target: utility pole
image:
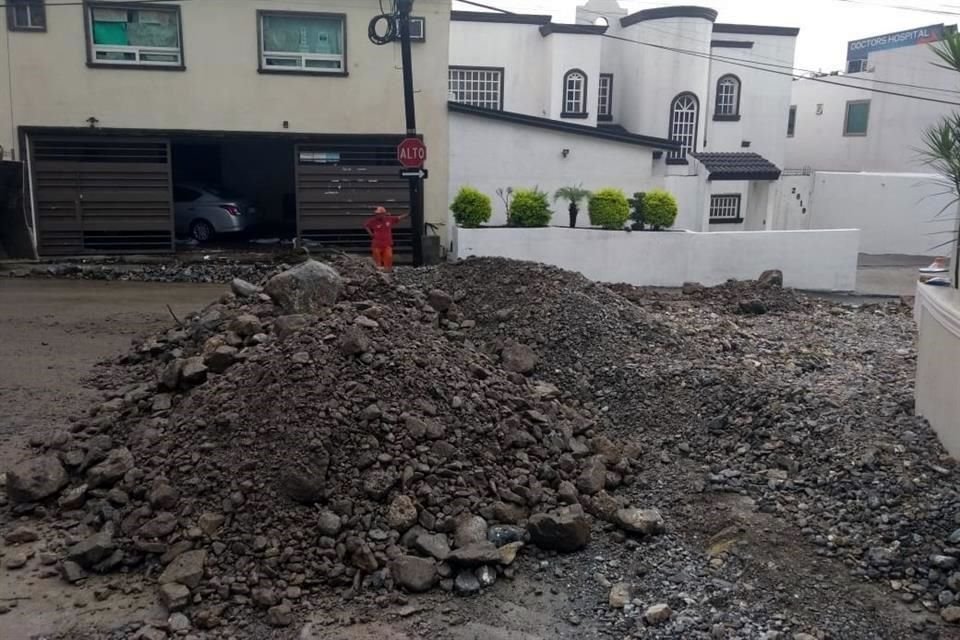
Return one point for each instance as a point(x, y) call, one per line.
point(416, 183)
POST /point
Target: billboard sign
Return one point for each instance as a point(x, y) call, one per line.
point(859, 49)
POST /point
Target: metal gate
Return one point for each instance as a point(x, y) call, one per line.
point(339, 186)
point(102, 195)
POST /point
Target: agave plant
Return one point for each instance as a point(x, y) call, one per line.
point(573, 195)
point(941, 149)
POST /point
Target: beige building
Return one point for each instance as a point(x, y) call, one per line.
point(111, 105)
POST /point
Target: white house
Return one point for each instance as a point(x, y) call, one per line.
point(853, 146)
point(664, 97)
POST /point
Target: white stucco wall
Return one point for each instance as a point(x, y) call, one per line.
point(652, 77)
point(764, 100)
point(938, 362)
point(896, 213)
point(489, 154)
point(519, 49)
point(815, 260)
point(896, 124)
point(574, 51)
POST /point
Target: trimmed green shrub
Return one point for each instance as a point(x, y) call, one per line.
point(529, 208)
point(609, 208)
point(471, 208)
point(637, 205)
point(659, 209)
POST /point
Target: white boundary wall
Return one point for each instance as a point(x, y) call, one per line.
point(937, 311)
point(814, 260)
point(897, 213)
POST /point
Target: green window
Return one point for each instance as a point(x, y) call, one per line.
point(312, 42)
point(128, 36)
point(857, 117)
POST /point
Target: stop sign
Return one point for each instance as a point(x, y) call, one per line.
point(412, 153)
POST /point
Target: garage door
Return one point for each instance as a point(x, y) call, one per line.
point(102, 195)
point(338, 187)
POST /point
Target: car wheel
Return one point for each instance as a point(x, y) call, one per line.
point(201, 230)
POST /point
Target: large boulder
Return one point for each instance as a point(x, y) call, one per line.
point(93, 549)
point(771, 278)
point(186, 569)
point(243, 289)
point(36, 479)
point(118, 462)
point(565, 530)
point(414, 574)
point(305, 288)
point(642, 521)
point(518, 357)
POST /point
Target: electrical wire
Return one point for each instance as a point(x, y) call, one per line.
point(742, 64)
point(78, 4)
point(781, 63)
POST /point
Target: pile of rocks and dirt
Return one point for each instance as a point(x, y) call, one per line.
point(323, 431)
point(806, 408)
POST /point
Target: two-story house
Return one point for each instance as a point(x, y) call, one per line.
point(663, 97)
point(113, 105)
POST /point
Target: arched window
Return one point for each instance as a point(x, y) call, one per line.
point(728, 97)
point(574, 93)
point(683, 124)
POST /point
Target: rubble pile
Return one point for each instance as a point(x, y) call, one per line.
point(806, 408)
point(325, 431)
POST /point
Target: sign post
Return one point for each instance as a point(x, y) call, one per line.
point(412, 147)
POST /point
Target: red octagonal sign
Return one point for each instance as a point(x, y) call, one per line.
point(412, 153)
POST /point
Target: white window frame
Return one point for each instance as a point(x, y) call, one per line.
point(476, 86)
point(684, 117)
point(728, 96)
point(137, 51)
point(725, 208)
point(605, 96)
point(302, 58)
point(34, 9)
point(574, 92)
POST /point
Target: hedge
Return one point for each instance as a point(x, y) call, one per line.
point(609, 208)
point(471, 208)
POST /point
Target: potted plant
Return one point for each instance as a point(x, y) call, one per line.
point(573, 195)
point(941, 148)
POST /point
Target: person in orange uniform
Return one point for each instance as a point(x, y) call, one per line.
point(380, 227)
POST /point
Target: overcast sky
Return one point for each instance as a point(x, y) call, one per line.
point(825, 25)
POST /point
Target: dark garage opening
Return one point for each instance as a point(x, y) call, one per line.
point(124, 191)
point(258, 170)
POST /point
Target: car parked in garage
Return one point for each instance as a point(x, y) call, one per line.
point(203, 212)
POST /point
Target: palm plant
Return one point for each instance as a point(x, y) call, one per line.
point(941, 148)
point(573, 195)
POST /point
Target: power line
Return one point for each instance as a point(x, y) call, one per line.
point(78, 4)
point(899, 7)
point(740, 63)
point(781, 63)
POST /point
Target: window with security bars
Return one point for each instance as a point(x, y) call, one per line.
point(605, 97)
point(476, 86)
point(725, 208)
point(574, 93)
point(728, 96)
point(683, 125)
point(26, 15)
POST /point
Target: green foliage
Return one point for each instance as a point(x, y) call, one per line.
point(660, 208)
point(637, 207)
point(941, 147)
point(609, 208)
point(529, 208)
point(471, 208)
point(573, 195)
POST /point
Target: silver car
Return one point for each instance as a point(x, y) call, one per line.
point(203, 212)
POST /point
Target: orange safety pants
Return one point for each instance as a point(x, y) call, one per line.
point(383, 257)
